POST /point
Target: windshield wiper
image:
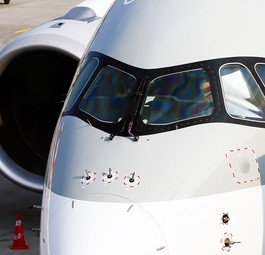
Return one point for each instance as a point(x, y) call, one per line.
point(131, 116)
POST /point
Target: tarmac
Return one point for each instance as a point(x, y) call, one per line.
point(15, 18)
point(20, 15)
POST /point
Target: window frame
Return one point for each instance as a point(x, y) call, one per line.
point(82, 66)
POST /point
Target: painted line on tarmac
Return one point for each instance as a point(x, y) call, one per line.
point(22, 31)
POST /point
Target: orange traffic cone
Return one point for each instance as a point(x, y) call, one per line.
point(19, 240)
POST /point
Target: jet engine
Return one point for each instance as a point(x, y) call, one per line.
point(36, 70)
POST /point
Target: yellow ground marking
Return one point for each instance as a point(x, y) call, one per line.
point(22, 30)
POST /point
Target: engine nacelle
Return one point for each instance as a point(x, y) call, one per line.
point(36, 70)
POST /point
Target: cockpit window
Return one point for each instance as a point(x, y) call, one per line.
point(110, 96)
point(80, 82)
point(243, 97)
point(176, 97)
point(260, 69)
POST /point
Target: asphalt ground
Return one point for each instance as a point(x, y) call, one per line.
point(23, 14)
point(15, 18)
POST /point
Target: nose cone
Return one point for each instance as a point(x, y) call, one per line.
point(82, 227)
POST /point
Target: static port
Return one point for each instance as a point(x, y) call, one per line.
point(225, 218)
point(227, 242)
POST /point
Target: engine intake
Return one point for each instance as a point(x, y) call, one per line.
point(32, 91)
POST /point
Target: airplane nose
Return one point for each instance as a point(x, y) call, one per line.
point(83, 227)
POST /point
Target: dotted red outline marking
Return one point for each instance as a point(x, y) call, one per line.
point(234, 176)
point(110, 180)
point(93, 173)
point(131, 186)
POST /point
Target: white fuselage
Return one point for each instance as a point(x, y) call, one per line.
point(176, 207)
point(191, 186)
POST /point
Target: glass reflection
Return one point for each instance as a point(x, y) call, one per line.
point(178, 96)
point(243, 96)
point(110, 96)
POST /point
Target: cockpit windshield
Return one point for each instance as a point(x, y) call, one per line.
point(176, 97)
point(129, 101)
point(110, 96)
